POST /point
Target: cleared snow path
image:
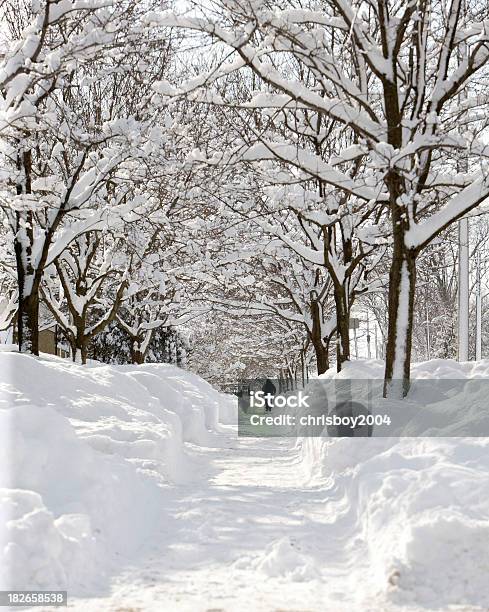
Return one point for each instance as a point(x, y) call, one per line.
point(252, 538)
point(120, 484)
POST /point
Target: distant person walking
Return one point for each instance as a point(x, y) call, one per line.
point(269, 390)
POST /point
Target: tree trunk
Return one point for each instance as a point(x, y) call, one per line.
point(79, 347)
point(137, 355)
point(79, 351)
point(322, 357)
point(402, 274)
point(320, 349)
point(402, 286)
point(28, 290)
point(28, 323)
point(27, 278)
point(342, 326)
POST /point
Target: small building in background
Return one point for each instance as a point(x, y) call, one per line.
point(51, 340)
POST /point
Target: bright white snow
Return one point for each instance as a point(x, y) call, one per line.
point(120, 485)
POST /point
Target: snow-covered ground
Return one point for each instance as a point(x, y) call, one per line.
point(123, 485)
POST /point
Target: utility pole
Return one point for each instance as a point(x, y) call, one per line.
point(369, 352)
point(463, 289)
point(427, 323)
point(478, 313)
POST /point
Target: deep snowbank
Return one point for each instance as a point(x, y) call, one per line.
point(87, 453)
point(415, 510)
point(89, 456)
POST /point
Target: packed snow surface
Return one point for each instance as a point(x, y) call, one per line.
point(128, 486)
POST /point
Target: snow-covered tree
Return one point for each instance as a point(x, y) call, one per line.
point(65, 145)
point(8, 285)
point(149, 304)
point(226, 348)
point(87, 291)
point(406, 79)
